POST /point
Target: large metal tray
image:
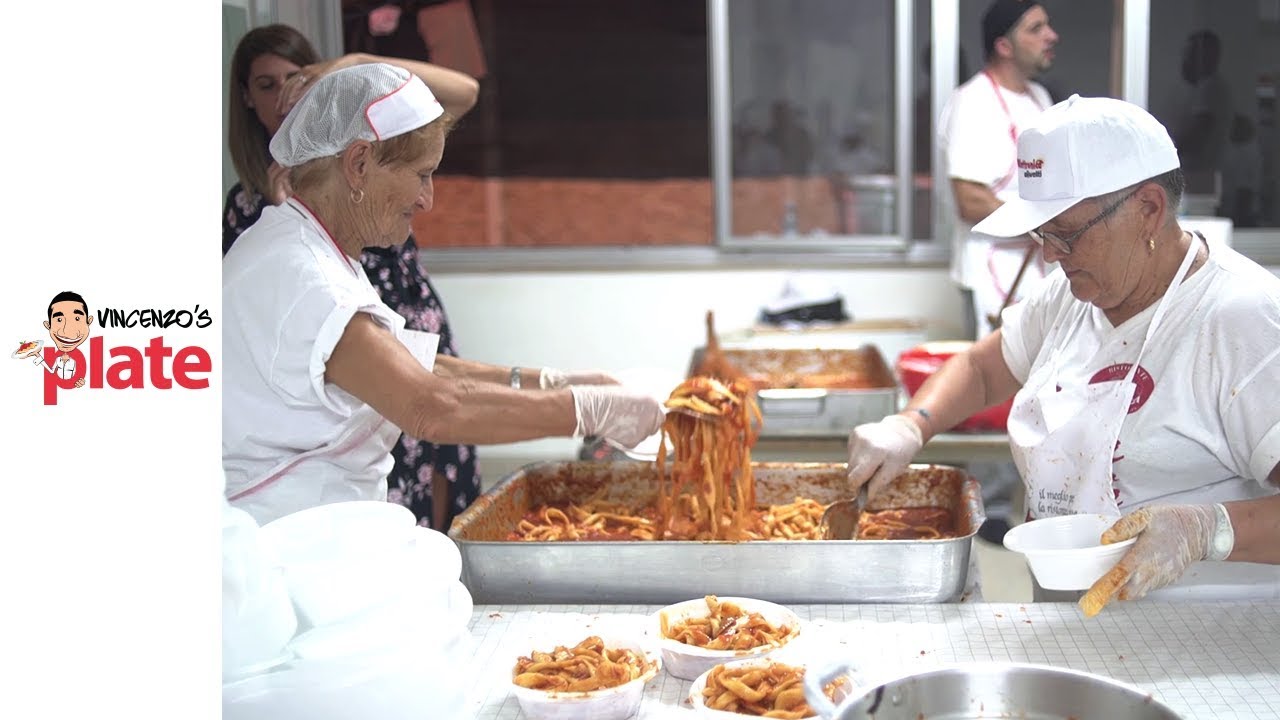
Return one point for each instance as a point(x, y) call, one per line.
point(814, 392)
point(497, 570)
point(990, 690)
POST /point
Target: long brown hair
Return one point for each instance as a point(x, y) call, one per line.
point(246, 135)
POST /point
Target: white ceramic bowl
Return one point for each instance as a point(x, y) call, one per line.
point(689, 661)
point(1066, 552)
point(615, 703)
point(700, 707)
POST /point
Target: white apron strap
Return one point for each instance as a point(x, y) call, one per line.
point(1163, 305)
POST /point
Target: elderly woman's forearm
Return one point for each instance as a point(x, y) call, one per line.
point(1257, 529)
point(456, 91)
point(479, 413)
point(457, 368)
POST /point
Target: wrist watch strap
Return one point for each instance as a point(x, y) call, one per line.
point(1224, 535)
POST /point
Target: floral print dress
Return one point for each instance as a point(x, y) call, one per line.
point(405, 288)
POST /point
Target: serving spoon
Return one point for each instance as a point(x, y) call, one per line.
point(840, 519)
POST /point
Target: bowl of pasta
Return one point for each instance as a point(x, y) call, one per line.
point(696, 635)
point(760, 687)
point(599, 678)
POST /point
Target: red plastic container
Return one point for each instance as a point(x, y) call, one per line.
point(917, 364)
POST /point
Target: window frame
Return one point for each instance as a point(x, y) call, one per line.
point(898, 250)
point(869, 245)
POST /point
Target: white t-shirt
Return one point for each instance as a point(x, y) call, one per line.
point(290, 440)
point(1204, 423)
point(974, 134)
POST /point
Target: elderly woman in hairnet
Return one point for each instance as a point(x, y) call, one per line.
point(1144, 372)
point(320, 377)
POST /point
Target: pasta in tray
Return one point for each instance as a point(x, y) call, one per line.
point(726, 627)
point(596, 519)
point(585, 667)
point(773, 690)
point(593, 519)
point(923, 523)
point(706, 489)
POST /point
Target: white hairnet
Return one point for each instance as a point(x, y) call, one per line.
point(374, 101)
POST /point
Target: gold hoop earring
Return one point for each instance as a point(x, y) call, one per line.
point(357, 196)
point(1151, 243)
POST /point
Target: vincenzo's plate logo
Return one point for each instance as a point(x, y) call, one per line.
point(77, 358)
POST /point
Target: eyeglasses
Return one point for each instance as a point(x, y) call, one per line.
point(1063, 244)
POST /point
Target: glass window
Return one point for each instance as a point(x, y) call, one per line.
point(591, 128)
point(812, 119)
point(1213, 83)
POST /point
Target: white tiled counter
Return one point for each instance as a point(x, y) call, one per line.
point(1204, 660)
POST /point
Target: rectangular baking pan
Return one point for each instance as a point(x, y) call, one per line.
point(814, 392)
point(497, 570)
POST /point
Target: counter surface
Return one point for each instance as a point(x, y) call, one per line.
point(1205, 660)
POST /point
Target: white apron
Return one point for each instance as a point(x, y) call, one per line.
point(1063, 443)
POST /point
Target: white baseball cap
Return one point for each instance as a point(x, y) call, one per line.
point(374, 101)
point(1080, 148)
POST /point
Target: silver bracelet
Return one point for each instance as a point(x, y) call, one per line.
point(1223, 540)
point(515, 378)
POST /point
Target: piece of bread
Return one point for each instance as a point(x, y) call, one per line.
point(1104, 590)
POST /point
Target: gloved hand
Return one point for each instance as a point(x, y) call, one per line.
point(551, 379)
point(880, 451)
point(1170, 539)
point(615, 413)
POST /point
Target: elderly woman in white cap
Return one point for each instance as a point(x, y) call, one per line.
point(1144, 373)
point(320, 377)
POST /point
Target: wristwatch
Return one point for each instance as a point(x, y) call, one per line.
point(515, 378)
point(1224, 536)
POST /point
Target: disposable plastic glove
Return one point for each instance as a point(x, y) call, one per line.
point(1170, 539)
point(552, 379)
point(615, 413)
point(880, 451)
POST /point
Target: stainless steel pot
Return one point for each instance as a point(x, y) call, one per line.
point(984, 690)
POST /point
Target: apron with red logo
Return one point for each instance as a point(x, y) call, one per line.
point(1063, 443)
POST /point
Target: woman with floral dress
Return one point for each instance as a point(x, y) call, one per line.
point(436, 482)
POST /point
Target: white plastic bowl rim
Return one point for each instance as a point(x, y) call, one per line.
point(617, 702)
point(1067, 568)
point(700, 706)
point(1015, 539)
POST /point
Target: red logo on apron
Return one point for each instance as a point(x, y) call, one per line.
point(1141, 379)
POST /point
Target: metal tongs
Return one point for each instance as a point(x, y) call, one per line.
point(840, 519)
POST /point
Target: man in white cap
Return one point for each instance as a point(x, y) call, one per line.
point(1145, 368)
point(978, 132)
point(320, 376)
